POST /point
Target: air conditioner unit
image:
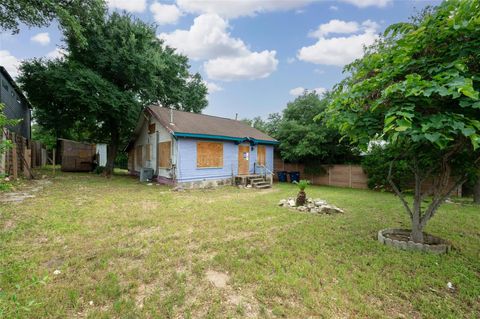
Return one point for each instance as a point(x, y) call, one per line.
point(146, 174)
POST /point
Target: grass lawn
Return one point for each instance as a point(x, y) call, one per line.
point(127, 250)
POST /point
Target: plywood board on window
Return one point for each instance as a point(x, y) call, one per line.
point(164, 154)
point(209, 154)
point(138, 155)
point(148, 152)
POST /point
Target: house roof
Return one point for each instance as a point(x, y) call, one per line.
point(15, 86)
point(188, 124)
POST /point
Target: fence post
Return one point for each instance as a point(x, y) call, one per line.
point(350, 175)
point(3, 157)
point(54, 155)
point(329, 175)
point(14, 161)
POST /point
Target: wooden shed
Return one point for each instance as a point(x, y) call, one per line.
point(77, 156)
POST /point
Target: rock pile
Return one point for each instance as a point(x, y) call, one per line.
point(316, 206)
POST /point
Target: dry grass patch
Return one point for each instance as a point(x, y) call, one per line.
point(128, 250)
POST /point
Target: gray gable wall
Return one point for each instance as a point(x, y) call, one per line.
point(15, 108)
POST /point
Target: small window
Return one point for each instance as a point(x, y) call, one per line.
point(138, 155)
point(151, 128)
point(165, 154)
point(261, 155)
point(209, 154)
point(5, 85)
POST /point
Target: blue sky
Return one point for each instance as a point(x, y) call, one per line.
point(255, 55)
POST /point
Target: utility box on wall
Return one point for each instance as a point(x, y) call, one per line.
point(146, 174)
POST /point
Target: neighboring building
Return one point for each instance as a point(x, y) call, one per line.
point(197, 150)
point(16, 104)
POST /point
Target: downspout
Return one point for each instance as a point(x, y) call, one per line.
point(177, 154)
point(157, 140)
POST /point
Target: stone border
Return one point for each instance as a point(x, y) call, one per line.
point(441, 246)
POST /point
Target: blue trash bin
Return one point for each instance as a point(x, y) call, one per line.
point(294, 177)
point(282, 176)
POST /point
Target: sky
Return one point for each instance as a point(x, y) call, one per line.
point(254, 55)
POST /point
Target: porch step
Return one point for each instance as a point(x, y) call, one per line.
point(262, 185)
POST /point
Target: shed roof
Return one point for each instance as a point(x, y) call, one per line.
point(188, 124)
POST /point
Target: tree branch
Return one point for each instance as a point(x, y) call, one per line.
point(397, 191)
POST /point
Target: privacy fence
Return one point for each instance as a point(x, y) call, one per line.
point(342, 175)
point(24, 155)
point(335, 175)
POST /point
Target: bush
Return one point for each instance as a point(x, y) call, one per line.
point(376, 165)
point(302, 184)
point(99, 170)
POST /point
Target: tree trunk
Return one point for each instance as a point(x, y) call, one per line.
point(417, 231)
point(301, 198)
point(476, 191)
point(112, 151)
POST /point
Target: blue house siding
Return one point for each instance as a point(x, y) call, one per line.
point(187, 161)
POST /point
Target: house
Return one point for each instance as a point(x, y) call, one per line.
point(16, 104)
point(197, 150)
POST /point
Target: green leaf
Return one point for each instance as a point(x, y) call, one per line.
point(468, 131)
point(432, 137)
point(390, 119)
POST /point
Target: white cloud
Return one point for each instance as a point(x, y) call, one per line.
point(335, 26)
point(369, 3)
point(128, 5)
point(9, 62)
point(165, 13)
point(212, 87)
point(339, 51)
point(42, 38)
point(207, 38)
point(334, 8)
point(255, 65)
point(58, 53)
point(290, 60)
point(228, 58)
point(235, 9)
point(300, 90)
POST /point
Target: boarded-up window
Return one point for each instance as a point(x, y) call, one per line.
point(138, 155)
point(148, 152)
point(164, 154)
point(151, 128)
point(261, 155)
point(209, 154)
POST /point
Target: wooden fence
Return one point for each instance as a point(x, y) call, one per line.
point(335, 175)
point(351, 176)
point(23, 155)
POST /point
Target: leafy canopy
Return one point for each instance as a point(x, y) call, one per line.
point(418, 89)
point(99, 89)
point(419, 84)
point(39, 13)
point(302, 138)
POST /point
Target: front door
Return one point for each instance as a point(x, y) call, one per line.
point(243, 159)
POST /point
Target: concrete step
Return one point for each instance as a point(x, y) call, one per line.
point(263, 186)
point(257, 180)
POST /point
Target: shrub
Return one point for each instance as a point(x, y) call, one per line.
point(302, 184)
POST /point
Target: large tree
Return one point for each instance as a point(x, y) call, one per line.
point(304, 138)
point(418, 90)
point(103, 83)
point(40, 13)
